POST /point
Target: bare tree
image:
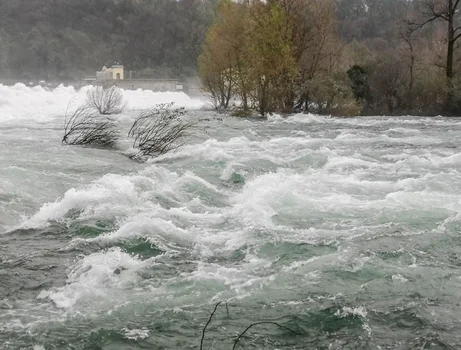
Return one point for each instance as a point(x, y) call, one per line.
point(445, 10)
point(159, 130)
point(87, 127)
point(407, 36)
point(106, 100)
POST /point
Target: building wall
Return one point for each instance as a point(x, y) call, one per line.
point(146, 84)
point(117, 70)
point(104, 74)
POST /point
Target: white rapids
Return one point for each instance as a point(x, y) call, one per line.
point(345, 229)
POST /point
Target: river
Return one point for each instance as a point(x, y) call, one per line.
point(346, 232)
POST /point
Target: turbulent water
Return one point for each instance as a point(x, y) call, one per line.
point(344, 231)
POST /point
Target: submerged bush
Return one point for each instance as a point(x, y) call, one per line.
point(159, 130)
point(87, 127)
point(105, 100)
point(155, 131)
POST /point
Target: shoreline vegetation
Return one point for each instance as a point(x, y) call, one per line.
point(288, 56)
point(329, 57)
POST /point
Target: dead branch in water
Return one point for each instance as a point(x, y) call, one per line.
point(245, 331)
point(209, 321)
point(257, 324)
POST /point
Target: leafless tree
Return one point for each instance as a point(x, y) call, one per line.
point(407, 36)
point(87, 127)
point(106, 100)
point(445, 10)
point(159, 130)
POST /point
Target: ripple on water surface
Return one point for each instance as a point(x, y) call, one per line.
point(344, 231)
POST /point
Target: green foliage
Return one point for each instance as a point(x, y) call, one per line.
point(274, 55)
point(67, 38)
point(223, 63)
point(273, 67)
point(332, 94)
point(429, 92)
point(358, 77)
point(247, 55)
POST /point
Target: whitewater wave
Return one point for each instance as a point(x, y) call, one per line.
point(44, 105)
point(298, 118)
point(95, 277)
point(116, 196)
point(315, 216)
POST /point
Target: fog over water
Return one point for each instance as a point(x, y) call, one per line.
point(344, 230)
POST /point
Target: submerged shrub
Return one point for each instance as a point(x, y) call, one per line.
point(159, 130)
point(87, 127)
point(105, 100)
point(155, 131)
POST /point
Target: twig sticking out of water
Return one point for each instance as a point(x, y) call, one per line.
point(209, 320)
point(257, 324)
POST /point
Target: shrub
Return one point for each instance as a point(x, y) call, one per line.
point(159, 130)
point(105, 100)
point(87, 127)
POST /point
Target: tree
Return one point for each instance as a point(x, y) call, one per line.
point(358, 77)
point(315, 39)
point(388, 84)
point(273, 67)
point(68, 38)
point(407, 36)
point(444, 10)
point(223, 62)
point(332, 94)
point(248, 54)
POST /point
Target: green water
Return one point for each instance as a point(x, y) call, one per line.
point(346, 231)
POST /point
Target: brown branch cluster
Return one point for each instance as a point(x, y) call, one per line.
point(159, 130)
point(444, 10)
point(106, 100)
point(86, 127)
point(154, 132)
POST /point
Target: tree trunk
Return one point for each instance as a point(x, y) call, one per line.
point(451, 40)
point(450, 52)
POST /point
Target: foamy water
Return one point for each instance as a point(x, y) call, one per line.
point(343, 230)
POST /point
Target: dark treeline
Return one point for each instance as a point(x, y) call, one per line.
point(340, 57)
point(59, 39)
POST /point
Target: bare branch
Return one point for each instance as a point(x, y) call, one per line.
point(87, 127)
point(257, 324)
point(158, 131)
point(436, 14)
point(106, 101)
point(432, 13)
point(209, 321)
point(455, 5)
point(422, 24)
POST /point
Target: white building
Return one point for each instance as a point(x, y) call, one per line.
point(116, 72)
